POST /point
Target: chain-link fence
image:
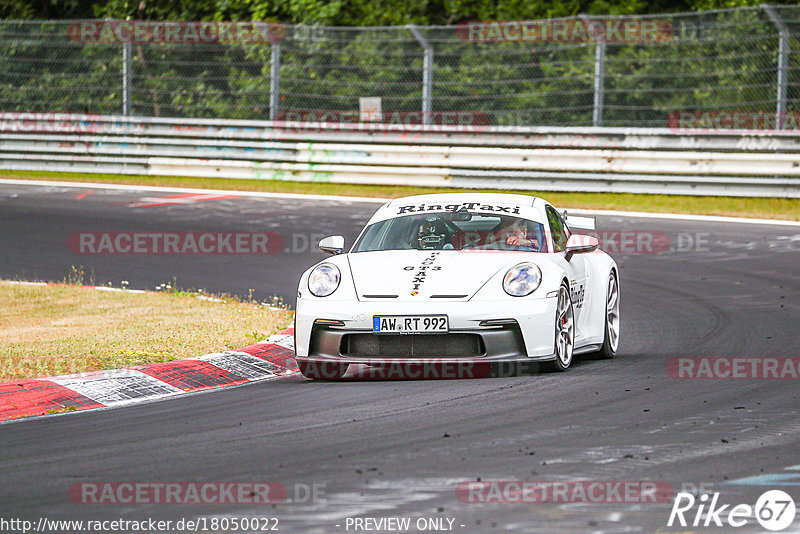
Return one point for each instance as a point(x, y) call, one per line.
point(610, 71)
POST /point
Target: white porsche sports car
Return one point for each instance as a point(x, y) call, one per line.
point(459, 277)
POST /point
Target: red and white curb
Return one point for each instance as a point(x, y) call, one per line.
point(268, 360)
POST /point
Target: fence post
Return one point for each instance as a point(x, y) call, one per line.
point(599, 70)
point(599, 81)
point(274, 81)
point(783, 60)
point(126, 79)
point(427, 73)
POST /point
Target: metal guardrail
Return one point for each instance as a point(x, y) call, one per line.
point(546, 159)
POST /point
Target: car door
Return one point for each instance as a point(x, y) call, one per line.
point(576, 268)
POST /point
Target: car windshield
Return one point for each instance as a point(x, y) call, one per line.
point(453, 231)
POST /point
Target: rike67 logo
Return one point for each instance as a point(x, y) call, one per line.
point(774, 510)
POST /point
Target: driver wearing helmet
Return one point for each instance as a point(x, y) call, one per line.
point(431, 234)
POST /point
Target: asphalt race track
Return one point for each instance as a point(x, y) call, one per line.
point(379, 448)
point(36, 223)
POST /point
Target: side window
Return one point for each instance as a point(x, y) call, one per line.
point(558, 229)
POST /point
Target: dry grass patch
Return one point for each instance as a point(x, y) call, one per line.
point(52, 330)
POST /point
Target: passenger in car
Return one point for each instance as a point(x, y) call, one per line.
point(513, 232)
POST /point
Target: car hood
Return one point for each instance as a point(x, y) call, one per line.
point(414, 275)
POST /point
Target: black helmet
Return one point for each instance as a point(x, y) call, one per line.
point(431, 233)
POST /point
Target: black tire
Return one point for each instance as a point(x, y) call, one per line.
point(611, 329)
point(565, 331)
point(322, 370)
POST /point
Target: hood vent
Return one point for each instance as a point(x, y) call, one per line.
point(379, 296)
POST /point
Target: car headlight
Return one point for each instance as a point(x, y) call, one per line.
point(324, 280)
point(522, 279)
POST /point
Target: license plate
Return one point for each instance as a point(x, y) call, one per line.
point(410, 324)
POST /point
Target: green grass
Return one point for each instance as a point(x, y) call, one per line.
point(768, 208)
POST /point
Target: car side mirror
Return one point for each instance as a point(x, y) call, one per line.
point(581, 244)
point(333, 244)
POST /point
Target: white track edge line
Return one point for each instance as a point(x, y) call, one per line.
point(262, 194)
point(684, 217)
point(164, 189)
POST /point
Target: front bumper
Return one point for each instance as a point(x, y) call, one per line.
point(503, 331)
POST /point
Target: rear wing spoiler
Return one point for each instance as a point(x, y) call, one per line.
point(576, 222)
